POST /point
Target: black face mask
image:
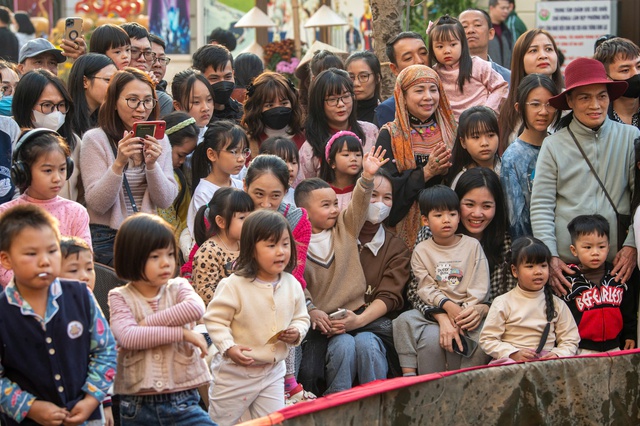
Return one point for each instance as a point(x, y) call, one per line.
point(222, 91)
point(276, 118)
point(633, 91)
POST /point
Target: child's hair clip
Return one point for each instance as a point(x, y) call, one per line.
point(337, 135)
point(429, 27)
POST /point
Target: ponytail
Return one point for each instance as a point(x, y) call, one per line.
point(550, 310)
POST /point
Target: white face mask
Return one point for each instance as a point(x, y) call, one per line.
point(52, 121)
point(377, 212)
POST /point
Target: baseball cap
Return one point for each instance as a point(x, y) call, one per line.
point(37, 46)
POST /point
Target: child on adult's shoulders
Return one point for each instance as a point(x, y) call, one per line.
point(602, 307)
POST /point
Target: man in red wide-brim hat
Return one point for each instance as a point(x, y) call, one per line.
point(565, 186)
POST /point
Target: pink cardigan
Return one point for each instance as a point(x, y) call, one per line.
point(104, 191)
point(486, 87)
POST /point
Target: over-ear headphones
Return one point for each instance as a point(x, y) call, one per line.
point(20, 171)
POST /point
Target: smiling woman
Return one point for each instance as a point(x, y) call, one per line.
point(418, 142)
point(534, 52)
point(124, 174)
point(483, 217)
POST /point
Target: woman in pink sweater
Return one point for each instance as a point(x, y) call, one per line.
point(123, 174)
point(468, 81)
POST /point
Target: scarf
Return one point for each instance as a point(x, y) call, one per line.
point(404, 136)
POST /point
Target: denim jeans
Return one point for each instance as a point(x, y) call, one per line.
point(174, 409)
point(374, 353)
point(102, 239)
point(363, 356)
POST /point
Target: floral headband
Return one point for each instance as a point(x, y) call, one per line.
point(335, 136)
point(181, 125)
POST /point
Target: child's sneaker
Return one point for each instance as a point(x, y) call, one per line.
point(298, 394)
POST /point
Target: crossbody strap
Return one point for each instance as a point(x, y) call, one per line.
point(593, 170)
point(127, 188)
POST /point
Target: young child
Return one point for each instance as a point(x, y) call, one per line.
point(192, 94)
point(256, 315)
point(219, 243)
point(518, 166)
point(77, 261)
point(65, 361)
point(602, 308)
point(113, 41)
point(266, 182)
point(183, 136)
point(331, 359)
point(286, 149)
point(342, 164)
point(331, 109)
point(468, 80)
point(152, 317)
point(517, 327)
point(476, 143)
point(453, 278)
point(77, 264)
point(221, 155)
point(41, 165)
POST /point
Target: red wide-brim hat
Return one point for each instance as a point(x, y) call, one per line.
point(583, 72)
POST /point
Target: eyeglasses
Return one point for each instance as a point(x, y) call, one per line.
point(107, 79)
point(363, 77)
point(149, 56)
point(162, 59)
point(148, 103)
point(49, 107)
point(346, 99)
point(537, 107)
point(238, 153)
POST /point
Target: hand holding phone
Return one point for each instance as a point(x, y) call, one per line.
point(72, 28)
point(151, 128)
point(468, 346)
point(338, 315)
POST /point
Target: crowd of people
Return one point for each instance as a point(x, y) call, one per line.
point(281, 244)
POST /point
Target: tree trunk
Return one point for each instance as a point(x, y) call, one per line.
point(386, 22)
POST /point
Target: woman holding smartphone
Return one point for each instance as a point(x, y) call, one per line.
point(124, 173)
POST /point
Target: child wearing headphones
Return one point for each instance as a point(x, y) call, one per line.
point(41, 165)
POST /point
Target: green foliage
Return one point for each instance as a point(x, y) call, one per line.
point(434, 9)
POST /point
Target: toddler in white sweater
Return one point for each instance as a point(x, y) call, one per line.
point(255, 316)
point(516, 328)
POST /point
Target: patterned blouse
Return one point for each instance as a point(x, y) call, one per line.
point(211, 263)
